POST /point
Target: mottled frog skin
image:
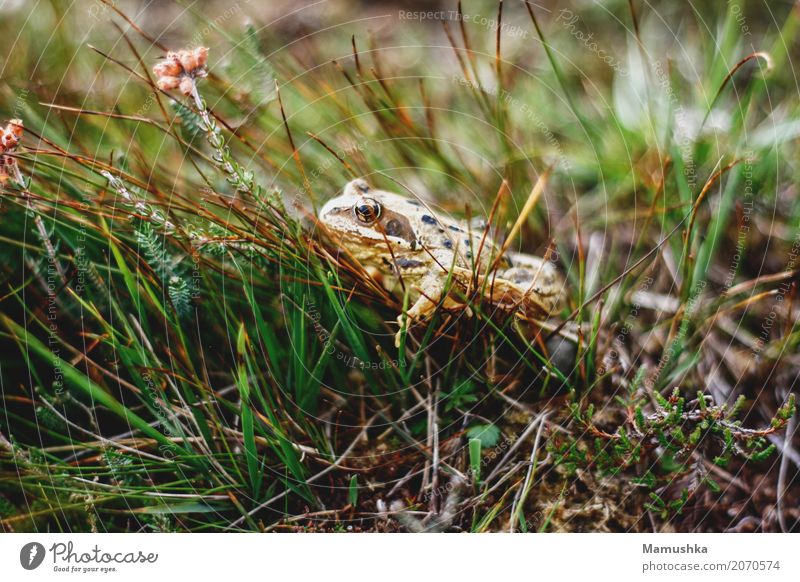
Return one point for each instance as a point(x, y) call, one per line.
point(399, 239)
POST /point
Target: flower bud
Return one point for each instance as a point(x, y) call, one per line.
point(188, 61)
point(201, 54)
point(10, 135)
point(168, 83)
point(168, 68)
point(16, 127)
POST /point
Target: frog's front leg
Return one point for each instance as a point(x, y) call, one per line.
point(431, 292)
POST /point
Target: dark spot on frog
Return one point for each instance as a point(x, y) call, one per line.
point(404, 263)
point(522, 276)
point(469, 254)
point(447, 243)
point(428, 219)
point(468, 242)
point(394, 228)
point(455, 228)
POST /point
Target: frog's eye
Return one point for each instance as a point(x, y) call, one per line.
point(367, 210)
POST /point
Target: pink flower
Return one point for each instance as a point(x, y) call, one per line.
point(9, 140)
point(170, 67)
point(168, 83)
point(179, 69)
point(10, 135)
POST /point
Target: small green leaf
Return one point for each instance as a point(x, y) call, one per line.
point(712, 485)
point(488, 434)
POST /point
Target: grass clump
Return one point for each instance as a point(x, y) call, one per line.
point(193, 352)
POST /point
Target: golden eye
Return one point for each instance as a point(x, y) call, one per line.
point(367, 210)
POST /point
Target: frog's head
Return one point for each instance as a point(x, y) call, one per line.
point(364, 215)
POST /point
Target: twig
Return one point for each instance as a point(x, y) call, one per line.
point(528, 476)
point(513, 448)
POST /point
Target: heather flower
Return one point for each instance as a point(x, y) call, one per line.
point(10, 135)
point(9, 140)
point(179, 70)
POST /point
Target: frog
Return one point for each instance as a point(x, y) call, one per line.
point(404, 244)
